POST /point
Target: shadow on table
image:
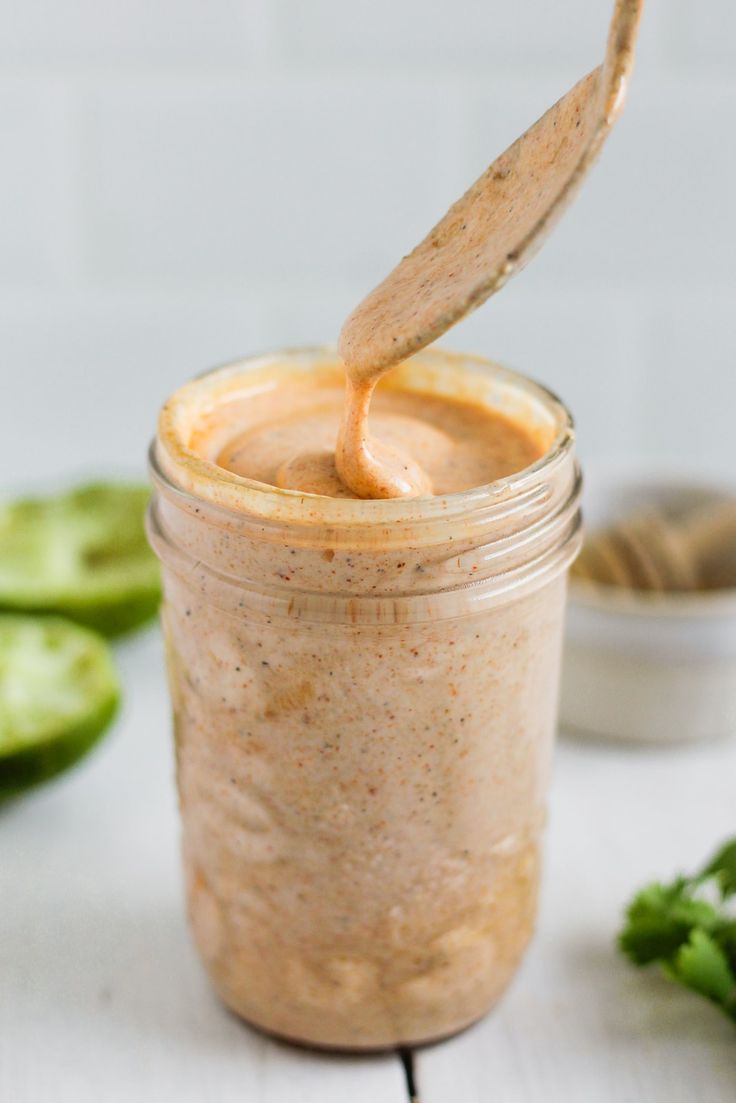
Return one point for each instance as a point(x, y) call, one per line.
point(640, 1003)
point(133, 964)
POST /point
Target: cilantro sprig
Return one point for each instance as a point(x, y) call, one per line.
point(689, 928)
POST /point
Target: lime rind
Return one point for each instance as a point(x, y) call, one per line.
point(59, 691)
point(111, 615)
point(83, 554)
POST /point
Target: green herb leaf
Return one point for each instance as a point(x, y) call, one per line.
point(726, 939)
point(723, 867)
point(660, 919)
point(702, 965)
point(686, 927)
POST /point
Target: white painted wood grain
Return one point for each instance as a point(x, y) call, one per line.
point(102, 997)
point(580, 1025)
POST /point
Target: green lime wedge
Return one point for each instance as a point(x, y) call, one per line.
point(58, 693)
point(83, 555)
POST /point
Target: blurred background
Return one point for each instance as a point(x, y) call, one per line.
point(185, 183)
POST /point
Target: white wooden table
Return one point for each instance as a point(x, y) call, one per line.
point(102, 999)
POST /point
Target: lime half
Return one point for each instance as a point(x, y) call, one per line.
point(58, 692)
point(83, 555)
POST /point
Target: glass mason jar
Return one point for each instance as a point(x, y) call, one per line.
point(364, 698)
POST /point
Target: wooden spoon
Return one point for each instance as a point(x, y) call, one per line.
point(484, 239)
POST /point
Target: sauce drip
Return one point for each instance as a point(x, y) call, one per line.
point(419, 443)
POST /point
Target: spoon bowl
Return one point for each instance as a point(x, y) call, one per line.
point(492, 231)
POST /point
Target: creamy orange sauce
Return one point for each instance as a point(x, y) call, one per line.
point(362, 744)
point(431, 445)
point(484, 238)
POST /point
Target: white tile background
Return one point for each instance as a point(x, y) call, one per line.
point(186, 182)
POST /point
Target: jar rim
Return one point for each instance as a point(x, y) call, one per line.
point(237, 494)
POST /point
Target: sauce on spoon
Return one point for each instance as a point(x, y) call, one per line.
point(485, 238)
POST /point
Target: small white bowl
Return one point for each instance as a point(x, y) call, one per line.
point(654, 668)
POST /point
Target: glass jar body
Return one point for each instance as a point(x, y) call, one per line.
point(363, 735)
